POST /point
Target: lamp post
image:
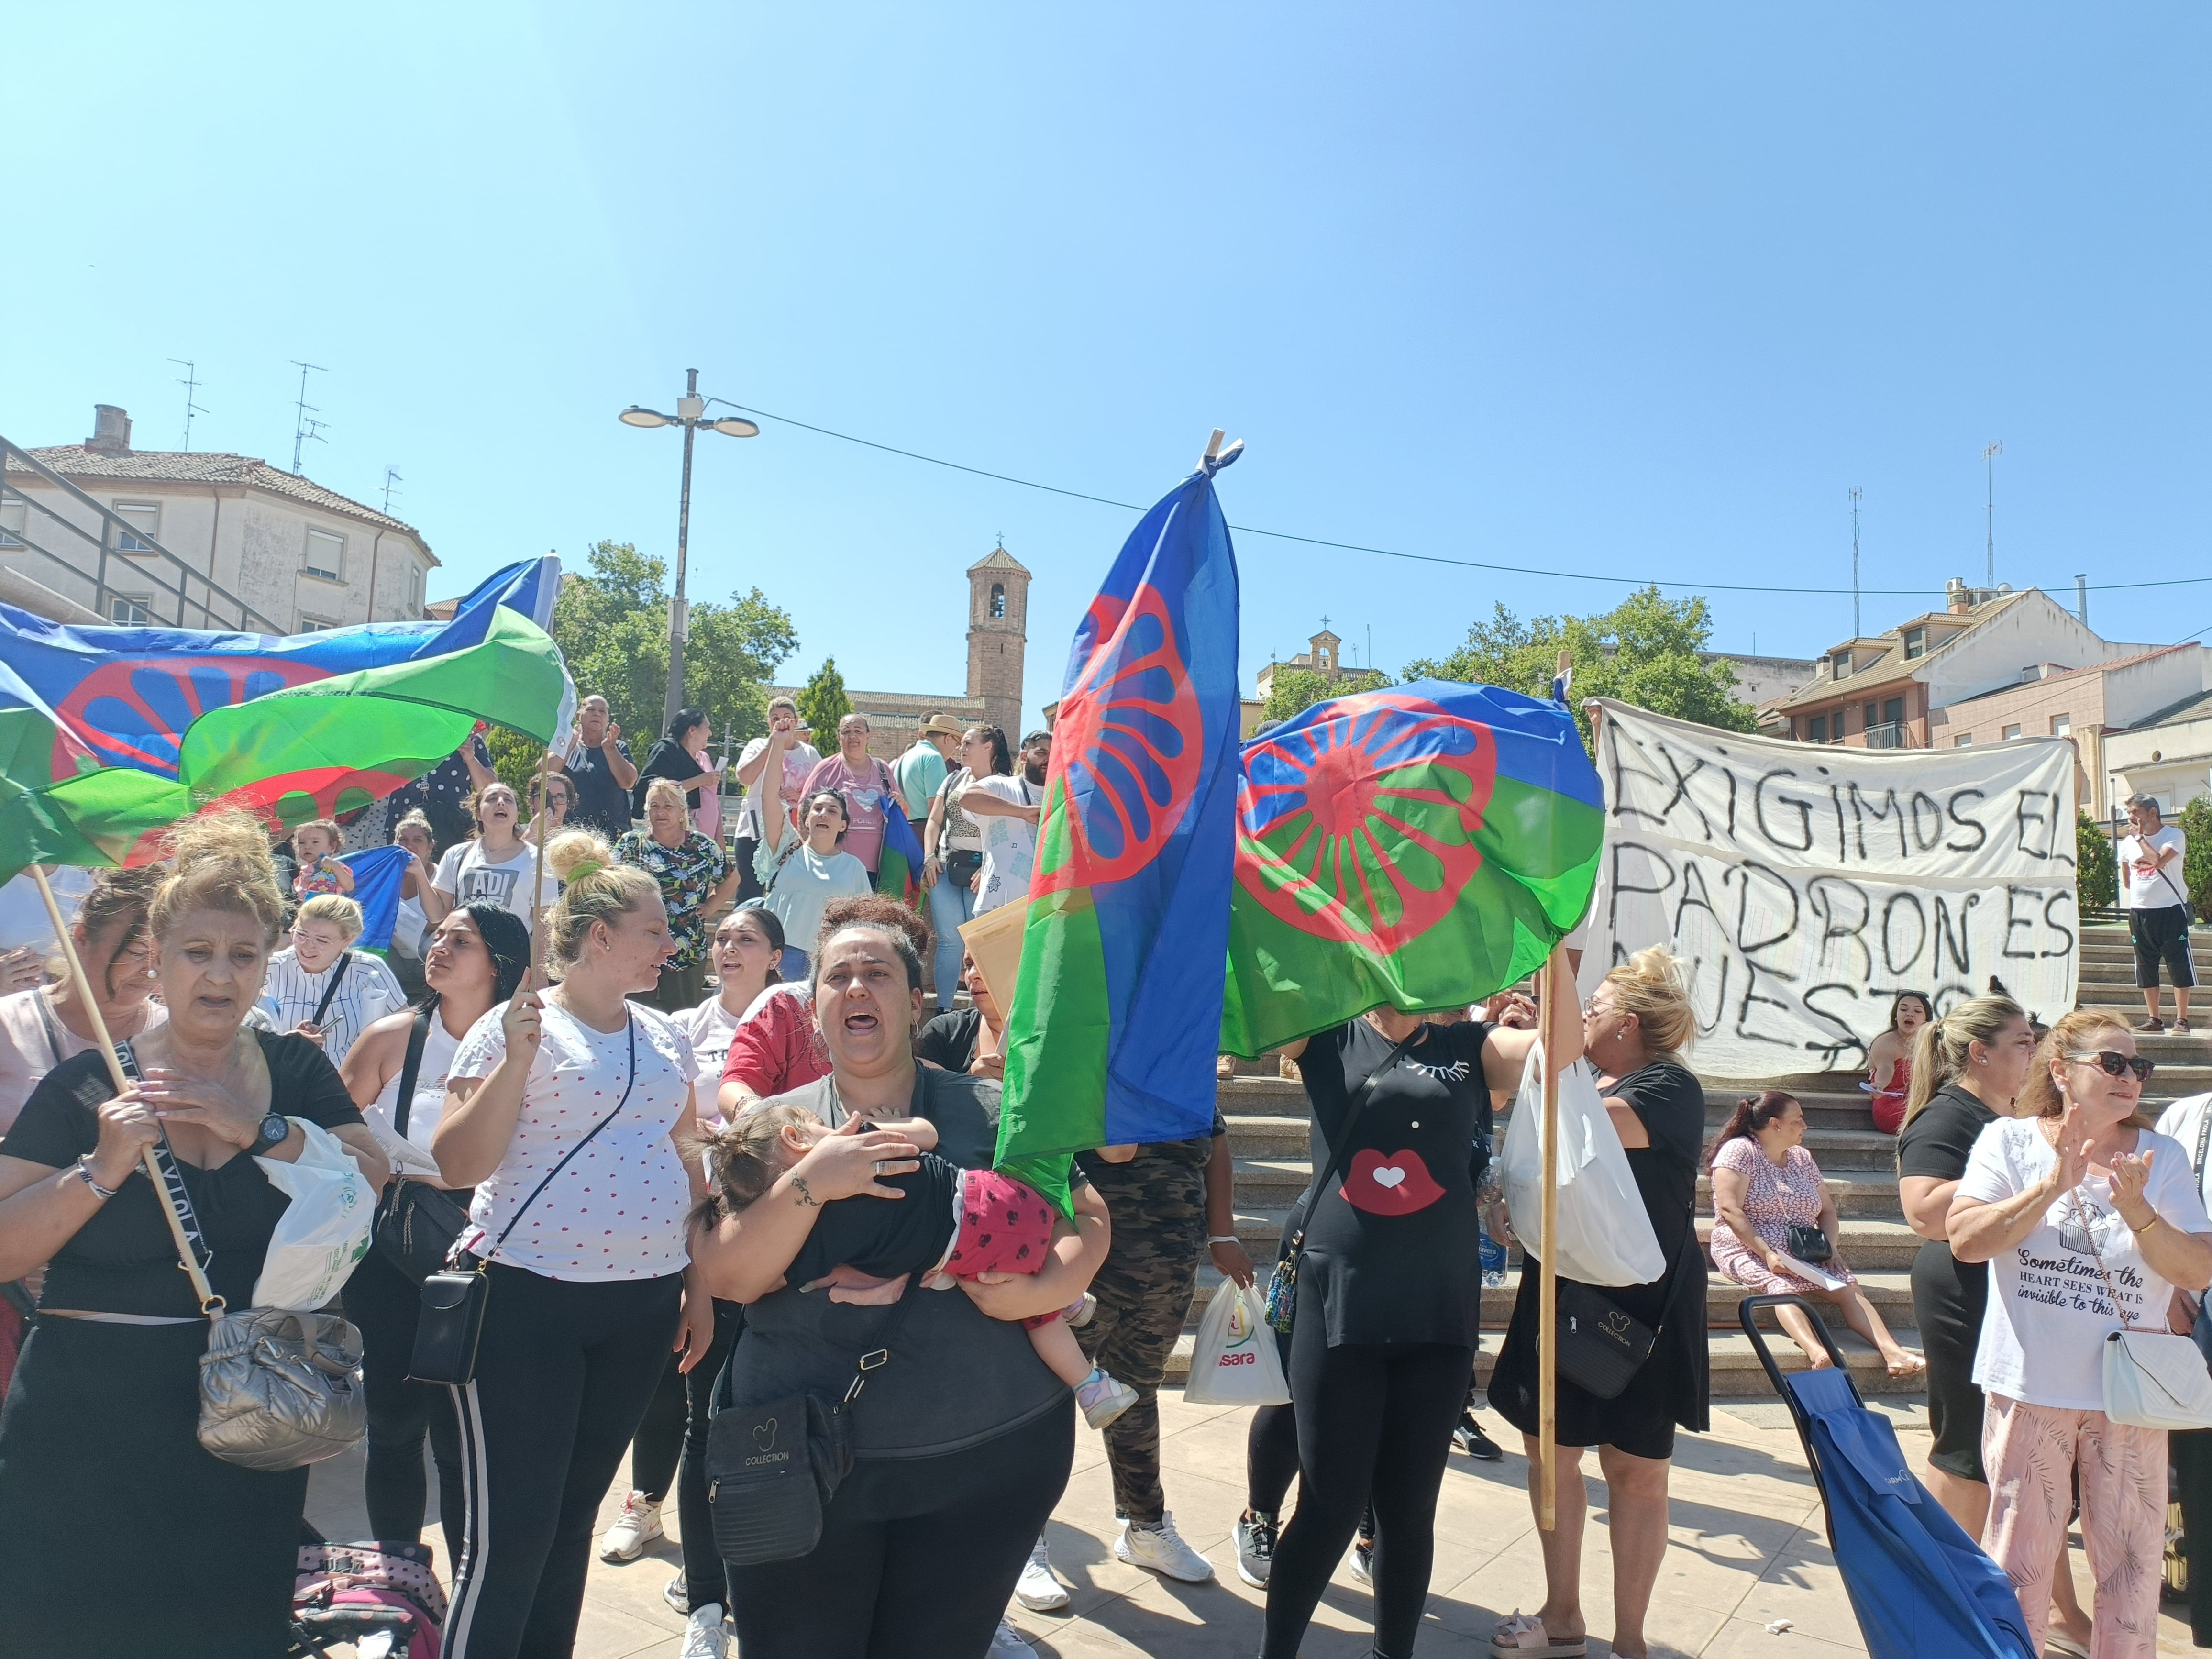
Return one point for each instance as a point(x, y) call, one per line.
point(690, 415)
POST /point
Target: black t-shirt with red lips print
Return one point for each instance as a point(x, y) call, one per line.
point(1393, 1247)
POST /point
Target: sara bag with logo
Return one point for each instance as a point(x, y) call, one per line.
point(452, 1320)
point(772, 1470)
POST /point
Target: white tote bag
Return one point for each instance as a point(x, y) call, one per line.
point(1235, 1362)
point(323, 1232)
point(1604, 1237)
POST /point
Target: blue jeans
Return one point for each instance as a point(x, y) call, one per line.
point(949, 904)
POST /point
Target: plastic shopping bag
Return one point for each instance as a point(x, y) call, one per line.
point(323, 1232)
point(1604, 1235)
point(1235, 1362)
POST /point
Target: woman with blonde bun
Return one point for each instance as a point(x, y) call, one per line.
point(1636, 1026)
point(99, 1459)
point(564, 1109)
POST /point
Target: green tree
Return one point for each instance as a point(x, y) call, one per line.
point(1643, 652)
point(824, 703)
point(1293, 690)
point(2096, 870)
point(2195, 822)
point(612, 626)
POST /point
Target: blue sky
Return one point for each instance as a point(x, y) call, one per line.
point(1604, 289)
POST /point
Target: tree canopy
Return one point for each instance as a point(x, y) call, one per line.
point(1293, 690)
point(1643, 652)
point(822, 703)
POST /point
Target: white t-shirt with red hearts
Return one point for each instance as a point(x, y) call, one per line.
point(617, 1210)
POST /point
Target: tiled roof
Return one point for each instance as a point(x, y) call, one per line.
point(2196, 706)
point(1893, 665)
point(76, 462)
point(998, 559)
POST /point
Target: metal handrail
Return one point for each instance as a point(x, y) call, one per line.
point(217, 606)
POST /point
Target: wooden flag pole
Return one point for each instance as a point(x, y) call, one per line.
point(537, 879)
point(185, 1257)
point(1547, 1300)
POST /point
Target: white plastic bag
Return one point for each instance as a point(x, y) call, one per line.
point(323, 1232)
point(1235, 1362)
point(1604, 1235)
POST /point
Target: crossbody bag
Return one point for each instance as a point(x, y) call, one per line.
point(1282, 1307)
point(2152, 1379)
point(773, 1469)
point(453, 1301)
point(1602, 1345)
point(416, 1222)
point(278, 1389)
point(962, 865)
point(2188, 910)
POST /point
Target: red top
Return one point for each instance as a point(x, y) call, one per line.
point(776, 1047)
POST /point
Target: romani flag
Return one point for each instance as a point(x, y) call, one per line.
point(1417, 848)
point(1110, 1036)
point(110, 735)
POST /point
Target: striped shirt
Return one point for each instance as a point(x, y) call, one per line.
point(291, 994)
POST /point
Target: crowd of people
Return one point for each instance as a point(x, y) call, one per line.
point(714, 1120)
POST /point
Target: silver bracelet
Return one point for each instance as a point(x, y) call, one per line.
point(84, 1173)
point(1223, 1238)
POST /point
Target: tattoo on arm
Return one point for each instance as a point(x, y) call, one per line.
point(806, 1199)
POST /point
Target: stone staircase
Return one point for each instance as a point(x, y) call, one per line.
point(1269, 1135)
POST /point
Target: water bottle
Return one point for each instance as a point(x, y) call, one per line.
point(1493, 1262)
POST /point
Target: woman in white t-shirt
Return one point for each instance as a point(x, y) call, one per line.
point(564, 1111)
point(474, 962)
point(47, 1024)
point(1008, 810)
point(498, 866)
point(2089, 1221)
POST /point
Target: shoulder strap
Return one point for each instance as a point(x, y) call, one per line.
point(54, 1034)
point(330, 991)
point(200, 1261)
point(2074, 1198)
point(2204, 1138)
point(630, 1025)
point(880, 1354)
point(1343, 1147)
point(417, 1034)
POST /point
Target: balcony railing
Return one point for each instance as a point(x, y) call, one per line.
point(1890, 734)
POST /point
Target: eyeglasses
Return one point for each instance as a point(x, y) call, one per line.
point(2113, 1063)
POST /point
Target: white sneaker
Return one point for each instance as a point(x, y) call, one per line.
point(676, 1592)
point(704, 1635)
point(1008, 1644)
point(1037, 1589)
point(1162, 1549)
point(639, 1525)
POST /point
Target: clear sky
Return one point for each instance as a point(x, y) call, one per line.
point(1611, 289)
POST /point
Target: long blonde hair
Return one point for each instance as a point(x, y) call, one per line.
point(2041, 1097)
point(599, 890)
point(1942, 1047)
point(1653, 985)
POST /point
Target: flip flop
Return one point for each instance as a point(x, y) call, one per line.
point(1523, 1637)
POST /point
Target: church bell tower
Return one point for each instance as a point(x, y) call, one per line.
point(998, 621)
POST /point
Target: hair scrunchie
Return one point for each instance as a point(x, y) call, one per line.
point(584, 867)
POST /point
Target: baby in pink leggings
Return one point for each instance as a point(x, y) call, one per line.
point(953, 1224)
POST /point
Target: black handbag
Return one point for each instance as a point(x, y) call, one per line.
point(453, 1301)
point(1281, 1304)
point(1601, 1347)
point(1809, 1244)
point(416, 1222)
point(962, 865)
point(772, 1470)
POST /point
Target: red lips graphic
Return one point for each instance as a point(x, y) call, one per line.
point(1389, 1183)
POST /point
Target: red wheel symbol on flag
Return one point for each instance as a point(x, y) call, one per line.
point(1128, 747)
point(1360, 827)
point(134, 712)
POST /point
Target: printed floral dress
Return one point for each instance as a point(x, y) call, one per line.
point(687, 873)
point(1774, 1198)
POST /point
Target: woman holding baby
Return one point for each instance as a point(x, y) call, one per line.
point(964, 1437)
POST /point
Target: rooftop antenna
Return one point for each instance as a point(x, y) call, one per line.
point(1857, 630)
point(306, 427)
point(190, 384)
point(1990, 502)
point(391, 477)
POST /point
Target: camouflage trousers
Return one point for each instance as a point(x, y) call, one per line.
point(1144, 1293)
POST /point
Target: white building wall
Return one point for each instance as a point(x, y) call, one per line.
point(2032, 630)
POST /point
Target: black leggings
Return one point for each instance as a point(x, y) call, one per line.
point(385, 1303)
point(1271, 1455)
point(1371, 1418)
point(917, 1556)
point(564, 1370)
point(702, 1568)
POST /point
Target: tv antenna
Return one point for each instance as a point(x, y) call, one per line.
point(190, 384)
point(391, 477)
point(1857, 630)
point(1990, 502)
point(306, 427)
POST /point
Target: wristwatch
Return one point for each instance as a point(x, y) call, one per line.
point(275, 1129)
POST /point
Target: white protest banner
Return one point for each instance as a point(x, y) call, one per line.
point(1808, 883)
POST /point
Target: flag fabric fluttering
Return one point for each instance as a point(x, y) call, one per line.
point(379, 873)
point(198, 725)
point(1110, 1036)
point(898, 872)
point(1419, 847)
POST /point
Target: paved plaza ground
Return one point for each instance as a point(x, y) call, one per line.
point(1748, 1551)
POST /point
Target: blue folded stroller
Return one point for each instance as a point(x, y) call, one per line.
point(1918, 1585)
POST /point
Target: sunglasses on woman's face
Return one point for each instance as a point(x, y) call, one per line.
point(2112, 1063)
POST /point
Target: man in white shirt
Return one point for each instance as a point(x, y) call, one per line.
point(1007, 810)
point(2157, 902)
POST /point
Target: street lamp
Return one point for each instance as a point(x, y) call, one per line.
point(690, 415)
